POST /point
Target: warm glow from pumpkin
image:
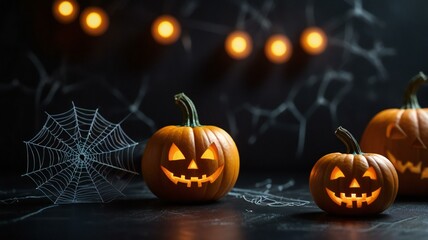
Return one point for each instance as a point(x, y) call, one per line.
point(407, 166)
point(189, 180)
point(352, 198)
point(313, 40)
point(65, 11)
point(354, 184)
point(371, 173)
point(238, 45)
point(210, 153)
point(192, 165)
point(278, 48)
point(336, 173)
point(166, 29)
point(175, 153)
point(94, 21)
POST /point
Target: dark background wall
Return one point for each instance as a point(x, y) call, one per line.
point(281, 116)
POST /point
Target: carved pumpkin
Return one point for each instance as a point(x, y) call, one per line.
point(190, 162)
point(402, 136)
point(353, 183)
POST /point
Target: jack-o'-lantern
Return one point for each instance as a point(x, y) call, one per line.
point(191, 162)
point(402, 136)
point(353, 183)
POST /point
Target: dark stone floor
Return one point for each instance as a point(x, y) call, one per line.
point(259, 207)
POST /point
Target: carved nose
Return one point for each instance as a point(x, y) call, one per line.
point(192, 165)
point(354, 184)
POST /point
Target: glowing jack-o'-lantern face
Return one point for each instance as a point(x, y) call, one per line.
point(193, 173)
point(355, 194)
point(353, 183)
point(407, 151)
point(401, 134)
point(190, 162)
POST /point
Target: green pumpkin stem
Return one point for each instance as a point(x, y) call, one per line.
point(190, 115)
point(346, 137)
point(410, 98)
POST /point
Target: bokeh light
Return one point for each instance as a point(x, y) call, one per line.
point(166, 29)
point(65, 11)
point(278, 48)
point(238, 45)
point(94, 21)
point(313, 40)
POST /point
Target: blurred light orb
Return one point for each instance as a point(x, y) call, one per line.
point(313, 40)
point(166, 29)
point(65, 11)
point(278, 48)
point(238, 45)
point(65, 8)
point(94, 21)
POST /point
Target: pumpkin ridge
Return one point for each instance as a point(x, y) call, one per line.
point(230, 184)
point(329, 165)
point(206, 135)
point(423, 114)
point(388, 165)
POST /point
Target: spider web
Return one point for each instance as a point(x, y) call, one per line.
point(78, 156)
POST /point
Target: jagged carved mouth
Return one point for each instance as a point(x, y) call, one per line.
point(402, 167)
point(188, 180)
point(352, 198)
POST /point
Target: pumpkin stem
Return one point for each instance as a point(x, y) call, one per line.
point(190, 115)
point(410, 98)
point(346, 137)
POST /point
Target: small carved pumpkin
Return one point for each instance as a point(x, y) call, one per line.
point(190, 162)
point(402, 136)
point(353, 183)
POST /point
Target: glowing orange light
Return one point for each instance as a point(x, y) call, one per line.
point(65, 11)
point(166, 29)
point(94, 21)
point(278, 48)
point(313, 40)
point(65, 8)
point(238, 45)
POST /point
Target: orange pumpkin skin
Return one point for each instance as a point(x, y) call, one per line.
point(190, 177)
point(353, 183)
point(402, 136)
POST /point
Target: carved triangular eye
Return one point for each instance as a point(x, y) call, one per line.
point(210, 153)
point(175, 153)
point(336, 173)
point(418, 143)
point(371, 173)
point(393, 131)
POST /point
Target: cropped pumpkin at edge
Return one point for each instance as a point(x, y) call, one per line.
point(190, 162)
point(401, 134)
point(353, 183)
